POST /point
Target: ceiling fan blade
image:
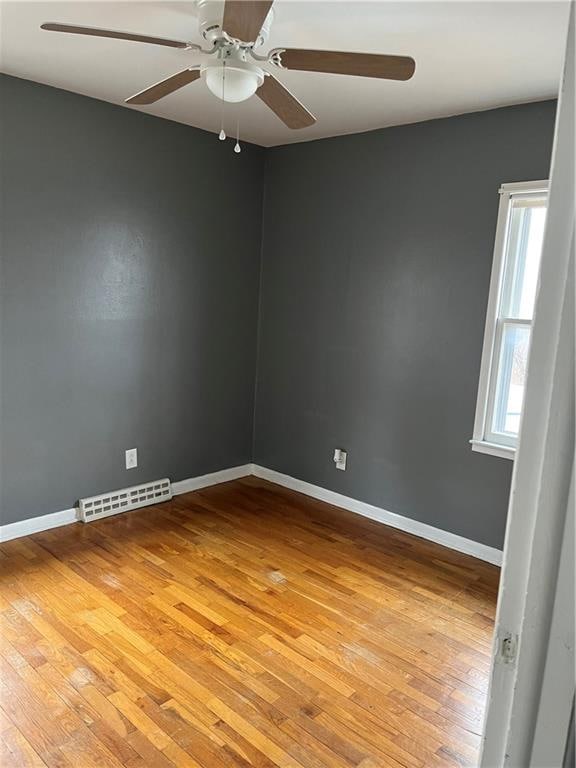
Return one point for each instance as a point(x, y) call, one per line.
point(284, 104)
point(345, 63)
point(95, 32)
point(164, 87)
point(243, 19)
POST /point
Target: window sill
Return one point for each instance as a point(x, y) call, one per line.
point(494, 449)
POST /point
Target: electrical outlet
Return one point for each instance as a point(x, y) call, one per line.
point(131, 458)
point(340, 457)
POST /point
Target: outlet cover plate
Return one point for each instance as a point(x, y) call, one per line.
point(340, 457)
point(131, 458)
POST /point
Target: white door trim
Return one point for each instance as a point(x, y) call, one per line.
point(555, 709)
point(542, 471)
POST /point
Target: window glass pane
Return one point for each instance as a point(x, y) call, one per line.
point(509, 393)
point(524, 248)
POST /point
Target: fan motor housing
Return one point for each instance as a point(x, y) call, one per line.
point(210, 15)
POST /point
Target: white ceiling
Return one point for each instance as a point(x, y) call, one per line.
point(469, 56)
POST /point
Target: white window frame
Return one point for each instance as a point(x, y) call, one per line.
point(491, 348)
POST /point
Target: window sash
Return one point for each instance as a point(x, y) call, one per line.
point(496, 391)
point(517, 235)
point(485, 439)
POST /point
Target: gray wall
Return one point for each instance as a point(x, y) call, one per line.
point(377, 250)
point(129, 299)
point(130, 268)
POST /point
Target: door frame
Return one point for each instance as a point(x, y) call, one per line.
point(539, 496)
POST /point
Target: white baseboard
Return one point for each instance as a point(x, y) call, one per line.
point(203, 481)
point(36, 524)
point(424, 531)
point(447, 539)
point(67, 516)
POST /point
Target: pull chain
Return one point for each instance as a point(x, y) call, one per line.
point(237, 147)
point(222, 134)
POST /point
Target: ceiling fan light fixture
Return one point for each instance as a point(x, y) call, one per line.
point(233, 82)
point(234, 28)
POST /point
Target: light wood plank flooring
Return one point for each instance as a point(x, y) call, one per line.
point(242, 625)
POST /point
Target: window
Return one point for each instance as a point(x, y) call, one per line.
point(517, 252)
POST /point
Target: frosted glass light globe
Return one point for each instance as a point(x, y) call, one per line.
point(233, 82)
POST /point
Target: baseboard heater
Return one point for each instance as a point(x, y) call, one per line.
point(115, 502)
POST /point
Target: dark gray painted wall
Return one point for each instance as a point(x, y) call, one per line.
point(377, 250)
point(129, 309)
point(130, 269)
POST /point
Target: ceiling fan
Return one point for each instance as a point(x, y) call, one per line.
point(237, 72)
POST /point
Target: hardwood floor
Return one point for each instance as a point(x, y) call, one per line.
point(242, 625)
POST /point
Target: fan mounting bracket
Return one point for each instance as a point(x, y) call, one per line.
point(275, 57)
point(210, 14)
